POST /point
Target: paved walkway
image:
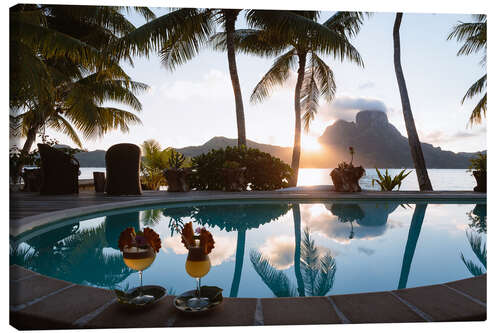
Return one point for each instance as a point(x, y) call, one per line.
point(40, 302)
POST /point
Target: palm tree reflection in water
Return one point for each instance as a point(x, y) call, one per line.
point(478, 222)
point(318, 271)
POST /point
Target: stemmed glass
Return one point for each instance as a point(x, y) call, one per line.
point(197, 266)
point(139, 259)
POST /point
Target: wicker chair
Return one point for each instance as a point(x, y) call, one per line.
point(123, 163)
point(59, 171)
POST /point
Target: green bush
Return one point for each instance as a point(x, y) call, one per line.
point(263, 172)
point(478, 163)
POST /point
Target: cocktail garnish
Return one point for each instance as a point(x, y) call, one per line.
point(141, 239)
point(188, 235)
point(206, 241)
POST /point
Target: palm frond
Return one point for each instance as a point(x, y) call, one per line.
point(251, 41)
point(476, 88)
point(473, 268)
point(275, 76)
point(477, 246)
point(275, 280)
point(326, 276)
point(479, 111)
point(58, 123)
point(309, 259)
point(348, 22)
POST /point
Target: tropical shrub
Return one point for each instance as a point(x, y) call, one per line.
point(154, 161)
point(387, 183)
point(263, 172)
point(478, 163)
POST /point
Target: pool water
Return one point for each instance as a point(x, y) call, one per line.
point(274, 248)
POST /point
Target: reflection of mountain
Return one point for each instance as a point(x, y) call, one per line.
point(371, 217)
point(239, 217)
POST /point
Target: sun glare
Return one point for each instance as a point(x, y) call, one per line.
point(310, 143)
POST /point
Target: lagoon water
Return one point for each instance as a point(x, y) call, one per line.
point(442, 179)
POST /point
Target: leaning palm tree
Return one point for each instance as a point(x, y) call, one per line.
point(415, 148)
point(62, 73)
point(318, 271)
point(473, 36)
point(299, 40)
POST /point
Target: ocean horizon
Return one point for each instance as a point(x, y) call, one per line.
point(441, 179)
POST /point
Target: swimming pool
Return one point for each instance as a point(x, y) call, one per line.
point(346, 246)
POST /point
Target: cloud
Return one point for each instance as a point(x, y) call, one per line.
point(366, 250)
point(439, 137)
point(211, 86)
point(279, 250)
point(366, 85)
point(346, 107)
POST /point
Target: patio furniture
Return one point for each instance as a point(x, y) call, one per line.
point(123, 163)
point(99, 181)
point(59, 171)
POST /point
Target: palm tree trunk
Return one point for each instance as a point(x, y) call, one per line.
point(411, 243)
point(30, 139)
point(230, 21)
point(238, 265)
point(413, 140)
point(298, 119)
point(298, 240)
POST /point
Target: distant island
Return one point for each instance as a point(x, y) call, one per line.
point(377, 143)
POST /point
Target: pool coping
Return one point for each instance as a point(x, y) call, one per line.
point(22, 225)
point(90, 307)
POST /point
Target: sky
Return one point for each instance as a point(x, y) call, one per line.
point(195, 102)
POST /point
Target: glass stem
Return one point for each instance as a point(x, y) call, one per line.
point(140, 288)
point(198, 287)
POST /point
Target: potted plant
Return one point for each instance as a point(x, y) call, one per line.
point(346, 176)
point(176, 175)
point(478, 169)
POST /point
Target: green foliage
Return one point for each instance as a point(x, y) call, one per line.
point(387, 183)
point(155, 160)
point(478, 163)
point(176, 160)
point(263, 172)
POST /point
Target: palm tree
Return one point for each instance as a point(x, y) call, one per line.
point(61, 73)
point(180, 35)
point(319, 272)
point(473, 36)
point(415, 148)
point(411, 243)
point(479, 249)
point(299, 39)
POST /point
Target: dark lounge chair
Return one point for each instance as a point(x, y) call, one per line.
point(59, 171)
point(123, 163)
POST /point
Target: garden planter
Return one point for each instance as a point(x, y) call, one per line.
point(177, 179)
point(346, 179)
point(480, 180)
point(234, 179)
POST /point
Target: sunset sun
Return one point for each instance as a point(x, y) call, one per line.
point(310, 143)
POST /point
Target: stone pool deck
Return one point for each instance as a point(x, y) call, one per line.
point(40, 302)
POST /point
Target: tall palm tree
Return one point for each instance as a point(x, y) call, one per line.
point(415, 148)
point(411, 243)
point(61, 73)
point(181, 34)
point(473, 36)
point(318, 271)
point(299, 39)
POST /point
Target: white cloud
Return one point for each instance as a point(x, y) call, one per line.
point(346, 107)
point(211, 86)
point(279, 251)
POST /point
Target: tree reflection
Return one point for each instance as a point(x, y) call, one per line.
point(411, 243)
point(238, 218)
point(175, 216)
point(477, 216)
point(115, 224)
point(478, 225)
point(75, 256)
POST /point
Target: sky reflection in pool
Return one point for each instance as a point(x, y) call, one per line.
point(347, 247)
